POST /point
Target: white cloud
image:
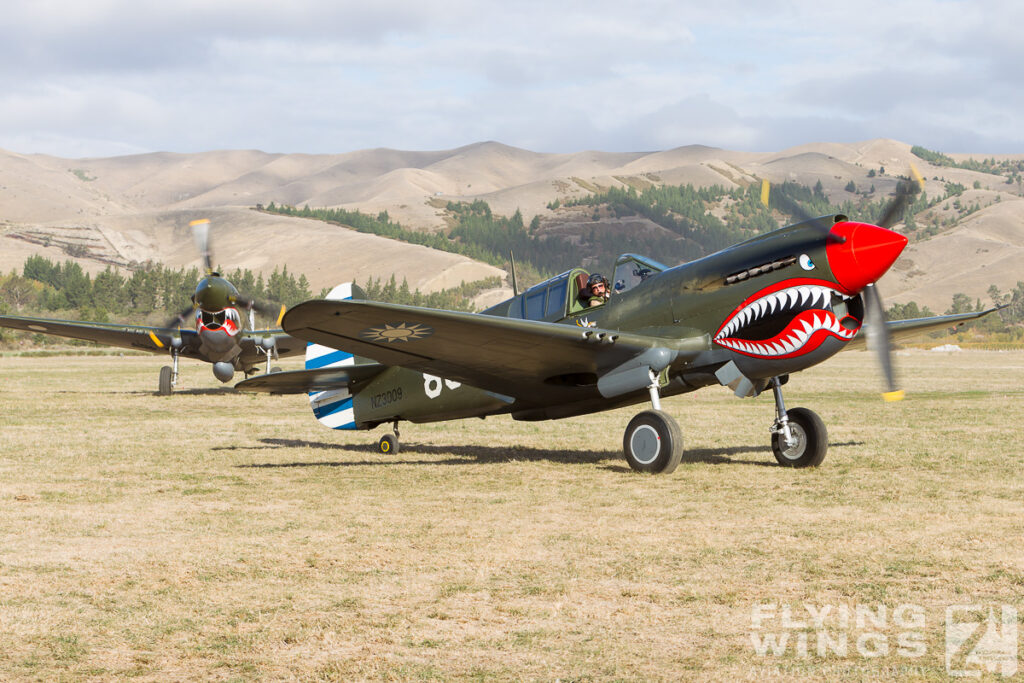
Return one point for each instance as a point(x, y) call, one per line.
point(323, 76)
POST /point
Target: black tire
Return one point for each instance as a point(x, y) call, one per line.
point(165, 381)
point(653, 443)
point(388, 444)
point(811, 436)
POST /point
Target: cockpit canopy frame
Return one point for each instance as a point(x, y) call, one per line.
point(566, 294)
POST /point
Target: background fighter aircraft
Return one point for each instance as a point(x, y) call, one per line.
point(745, 317)
point(217, 336)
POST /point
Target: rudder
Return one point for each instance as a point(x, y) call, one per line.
point(333, 408)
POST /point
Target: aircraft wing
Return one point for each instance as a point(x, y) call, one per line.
point(286, 345)
point(510, 356)
point(900, 330)
point(139, 337)
point(112, 334)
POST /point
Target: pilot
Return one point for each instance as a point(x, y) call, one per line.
point(599, 290)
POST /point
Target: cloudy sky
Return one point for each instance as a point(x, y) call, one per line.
point(108, 77)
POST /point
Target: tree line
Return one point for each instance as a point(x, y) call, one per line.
point(1011, 169)
point(690, 216)
point(153, 293)
point(150, 292)
point(1006, 325)
point(696, 220)
point(458, 298)
point(475, 231)
point(383, 226)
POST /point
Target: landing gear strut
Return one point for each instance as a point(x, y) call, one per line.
point(169, 376)
point(799, 437)
point(271, 354)
point(388, 443)
point(653, 441)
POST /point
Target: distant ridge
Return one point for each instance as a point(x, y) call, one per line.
point(135, 207)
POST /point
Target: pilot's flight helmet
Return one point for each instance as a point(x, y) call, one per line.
point(597, 277)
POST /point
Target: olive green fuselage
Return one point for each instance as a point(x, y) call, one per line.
point(763, 308)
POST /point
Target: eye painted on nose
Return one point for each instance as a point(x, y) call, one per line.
point(806, 263)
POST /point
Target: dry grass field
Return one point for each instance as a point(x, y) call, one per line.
point(217, 536)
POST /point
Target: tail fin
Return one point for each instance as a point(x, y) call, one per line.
point(332, 408)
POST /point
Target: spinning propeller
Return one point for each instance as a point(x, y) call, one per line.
point(201, 236)
point(877, 332)
point(213, 294)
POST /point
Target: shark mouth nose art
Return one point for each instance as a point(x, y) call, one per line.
point(788, 319)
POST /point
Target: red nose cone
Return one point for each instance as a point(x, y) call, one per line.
point(865, 255)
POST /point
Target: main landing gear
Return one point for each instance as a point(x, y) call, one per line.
point(653, 442)
point(270, 352)
point(388, 444)
point(799, 438)
point(168, 377)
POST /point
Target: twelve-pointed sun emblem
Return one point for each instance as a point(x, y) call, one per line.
point(396, 332)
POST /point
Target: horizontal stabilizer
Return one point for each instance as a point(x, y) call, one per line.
point(304, 381)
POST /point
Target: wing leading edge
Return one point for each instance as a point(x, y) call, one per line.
point(141, 337)
point(124, 336)
point(900, 330)
point(511, 356)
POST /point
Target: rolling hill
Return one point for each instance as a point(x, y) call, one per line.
point(124, 210)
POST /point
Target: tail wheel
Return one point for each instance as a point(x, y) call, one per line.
point(810, 440)
point(165, 381)
point(388, 444)
point(653, 442)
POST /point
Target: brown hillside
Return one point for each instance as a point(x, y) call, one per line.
point(135, 208)
point(988, 248)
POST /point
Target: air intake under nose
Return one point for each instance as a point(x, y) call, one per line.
point(864, 255)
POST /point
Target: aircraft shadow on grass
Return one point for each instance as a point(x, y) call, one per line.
point(464, 455)
point(476, 455)
point(207, 391)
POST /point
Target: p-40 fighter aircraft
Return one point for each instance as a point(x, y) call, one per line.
point(746, 317)
point(217, 336)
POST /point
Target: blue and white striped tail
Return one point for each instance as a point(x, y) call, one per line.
point(333, 408)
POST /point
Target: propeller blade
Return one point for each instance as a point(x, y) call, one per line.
point(201, 235)
point(266, 309)
point(917, 176)
point(181, 318)
point(877, 331)
point(168, 328)
point(905, 192)
point(894, 211)
point(787, 205)
point(878, 339)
